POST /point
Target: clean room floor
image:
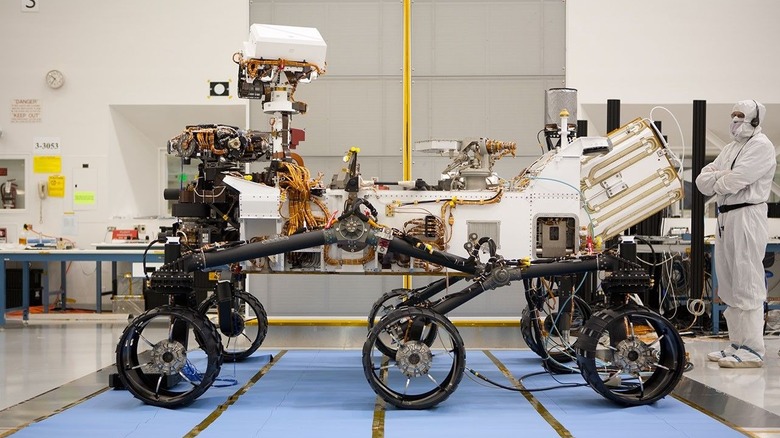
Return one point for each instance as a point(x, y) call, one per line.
point(47, 367)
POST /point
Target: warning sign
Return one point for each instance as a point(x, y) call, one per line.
point(57, 186)
point(25, 111)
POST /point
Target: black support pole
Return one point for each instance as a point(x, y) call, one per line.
point(613, 114)
point(697, 213)
point(582, 128)
point(613, 123)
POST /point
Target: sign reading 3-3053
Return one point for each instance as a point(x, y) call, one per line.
point(46, 145)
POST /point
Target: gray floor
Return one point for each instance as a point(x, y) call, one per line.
point(66, 361)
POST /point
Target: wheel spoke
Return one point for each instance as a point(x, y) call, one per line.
point(184, 376)
point(641, 385)
point(663, 367)
point(393, 339)
point(157, 388)
point(138, 366)
point(656, 341)
point(143, 338)
point(447, 351)
point(384, 367)
point(610, 375)
point(433, 380)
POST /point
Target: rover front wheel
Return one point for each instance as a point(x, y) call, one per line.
point(630, 355)
point(169, 356)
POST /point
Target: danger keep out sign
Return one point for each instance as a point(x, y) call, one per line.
point(25, 111)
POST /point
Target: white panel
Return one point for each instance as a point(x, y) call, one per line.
point(456, 110)
point(512, 110)
point(355, 116)
point(507, 301)
point(85, 184)
point(554, 38)
point(318, 295)
point(354, 39)
point(428, 167)
point(391, 42)
point(393, 116)
point(260, 13)
point(422, 38)
point(460, 32)
point(514, 40)
point(297, 295)
point(421, 109)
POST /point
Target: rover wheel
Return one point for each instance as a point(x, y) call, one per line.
point(169, 356)
point(250, 325)
point(630, 355)
point(419, 375)
point(388, 302)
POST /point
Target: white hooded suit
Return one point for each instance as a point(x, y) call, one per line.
point(742, 174)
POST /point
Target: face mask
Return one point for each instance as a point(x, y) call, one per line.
point(736, 127)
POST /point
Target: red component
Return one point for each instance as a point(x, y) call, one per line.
point(331, 220)
point(296, 136)
point(125, 235)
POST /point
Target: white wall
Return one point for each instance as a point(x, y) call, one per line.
point(672, 52)
point(143, 53)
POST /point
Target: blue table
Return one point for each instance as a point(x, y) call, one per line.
point(63, 257)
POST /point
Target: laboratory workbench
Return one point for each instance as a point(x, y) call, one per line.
point(132, 254)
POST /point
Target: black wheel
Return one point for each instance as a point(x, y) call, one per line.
point(169, 356)
point(388, 302)
point(250, 325)
point(419, 375)
point(550, 337)
point(630, 355)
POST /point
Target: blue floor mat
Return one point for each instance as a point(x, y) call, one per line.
point(116, 413)
point(324, 393)
point(586, 413)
